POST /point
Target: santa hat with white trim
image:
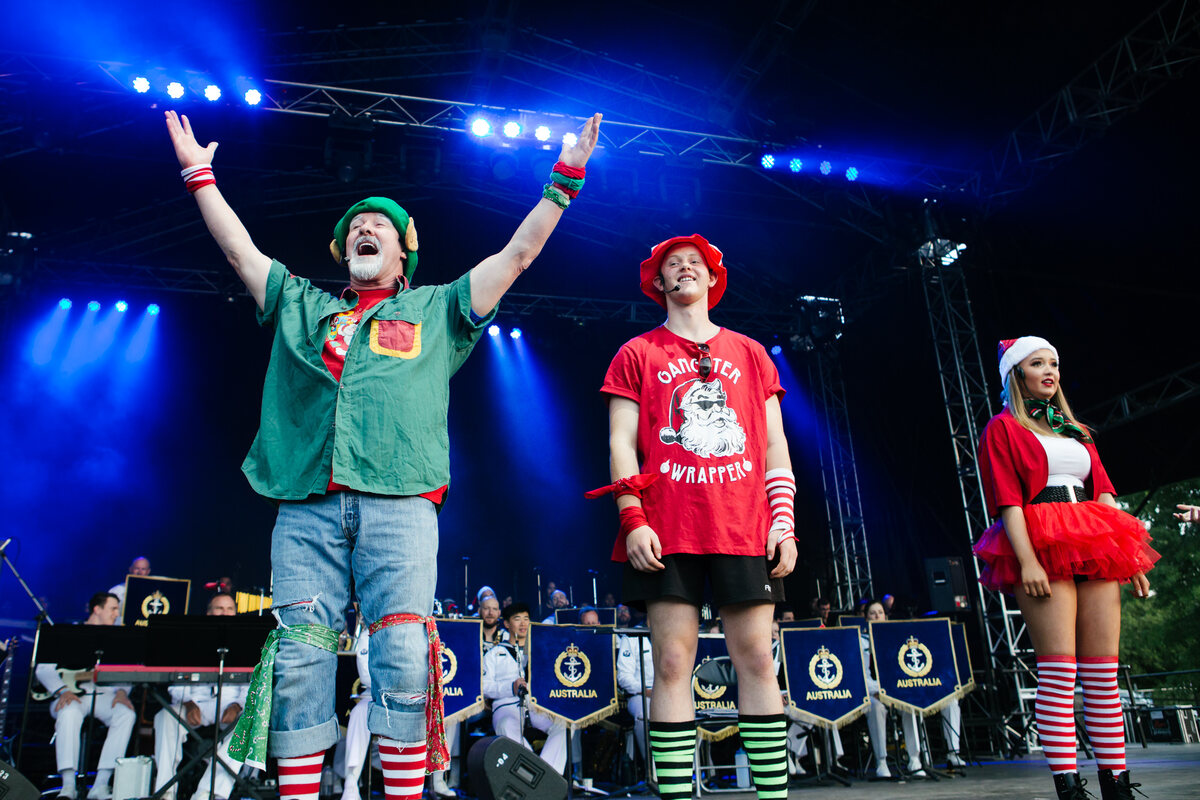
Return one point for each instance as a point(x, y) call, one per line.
point(1013, 351)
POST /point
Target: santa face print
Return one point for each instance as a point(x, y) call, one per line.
point(710, 427)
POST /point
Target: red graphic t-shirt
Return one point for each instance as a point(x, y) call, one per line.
point(339, 335)
point(706, 439)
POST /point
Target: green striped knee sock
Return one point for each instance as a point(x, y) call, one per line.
point(764, 738)
point(673, 748)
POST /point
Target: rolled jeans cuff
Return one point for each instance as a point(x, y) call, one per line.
point(401, 726)
point(293, 744)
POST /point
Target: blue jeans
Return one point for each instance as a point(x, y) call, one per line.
point(389, 545)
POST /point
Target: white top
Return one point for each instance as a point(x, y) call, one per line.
point(1069, 461)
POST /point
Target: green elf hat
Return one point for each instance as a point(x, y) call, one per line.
point(399, 217)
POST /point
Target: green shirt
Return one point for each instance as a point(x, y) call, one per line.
point(383, 428)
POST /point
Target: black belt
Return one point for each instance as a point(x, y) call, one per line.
point(1059, 494)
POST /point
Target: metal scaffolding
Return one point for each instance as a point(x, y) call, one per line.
point(839, 478)
point(968, 408)
point(1156, 52)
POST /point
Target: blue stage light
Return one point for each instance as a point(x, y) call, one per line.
point(174, 90)
point(481, 127)
point(776, 350)
point(826, 167)
point(541, 133)
point(493, 330)
point(253, 96)
point(768, 161)
point(152, 309)
point(141, 85)
point(795, 165)
point(122, 306)
point(65, 303)
point(212, 92)
point(515, 333)
point(570, 139)
point(512, 129)
point(852, 174)
point(94, 305)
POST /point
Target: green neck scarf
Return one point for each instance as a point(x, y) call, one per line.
point(1055, 418)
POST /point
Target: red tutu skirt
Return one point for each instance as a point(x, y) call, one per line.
point(1087, 539)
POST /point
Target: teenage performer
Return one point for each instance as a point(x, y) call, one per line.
point(353, 445)
point(1063, 547)
point(705, 491)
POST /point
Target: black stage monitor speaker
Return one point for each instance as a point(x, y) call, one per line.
point(14, 786)
point(948, 589)
point(502, 769)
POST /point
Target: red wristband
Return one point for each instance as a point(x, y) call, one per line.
point(570, 172)
point(632, 517)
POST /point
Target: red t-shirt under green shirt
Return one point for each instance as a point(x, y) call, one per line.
point(342, 328)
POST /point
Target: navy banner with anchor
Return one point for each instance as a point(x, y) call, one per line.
point(824, 669)
point(462, 666)
point(714, 689)
point(914, 660)
point(572, 672)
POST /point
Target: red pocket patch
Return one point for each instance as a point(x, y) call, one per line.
point(396, 338)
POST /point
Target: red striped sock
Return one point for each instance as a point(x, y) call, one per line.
point(1055, 711)
point(1102, 711)
point(300, 778)
point(403, 769)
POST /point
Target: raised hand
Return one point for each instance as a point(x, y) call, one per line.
point(578, 154)
point(187, 149)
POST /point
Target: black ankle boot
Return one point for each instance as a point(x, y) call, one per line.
point(1070, 786)
point(1116, 787)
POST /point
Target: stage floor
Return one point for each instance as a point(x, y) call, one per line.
point(1166, 772)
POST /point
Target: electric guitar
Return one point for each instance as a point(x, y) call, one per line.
point(71, 679)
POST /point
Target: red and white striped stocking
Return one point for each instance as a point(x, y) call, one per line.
point(1102, 711)
point(1055, 711)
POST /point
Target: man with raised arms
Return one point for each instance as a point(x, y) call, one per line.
point(353, 446)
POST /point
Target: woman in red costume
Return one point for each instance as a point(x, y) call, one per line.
point(1063, 547)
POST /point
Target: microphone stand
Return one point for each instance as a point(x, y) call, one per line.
point(42, 616)
point(466, 584)
point(537, 573)
point(595, 597)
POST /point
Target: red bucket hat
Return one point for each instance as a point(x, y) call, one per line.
point(712, 257)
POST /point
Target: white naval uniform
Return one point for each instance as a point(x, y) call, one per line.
point(169, 734)
point(502, 665)
point(68, 721)
point(358, 736)
point(877, 717)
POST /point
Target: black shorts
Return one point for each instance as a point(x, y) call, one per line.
point(733, 579)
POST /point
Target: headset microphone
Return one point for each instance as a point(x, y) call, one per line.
point(678, 286)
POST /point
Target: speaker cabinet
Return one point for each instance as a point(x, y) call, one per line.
point(502, 769)
point(14, 785)
point(949, 591)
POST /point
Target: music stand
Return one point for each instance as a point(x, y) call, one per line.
point(90, 645)
point(220, 641)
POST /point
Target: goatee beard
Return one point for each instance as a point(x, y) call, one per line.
point(365, 268)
